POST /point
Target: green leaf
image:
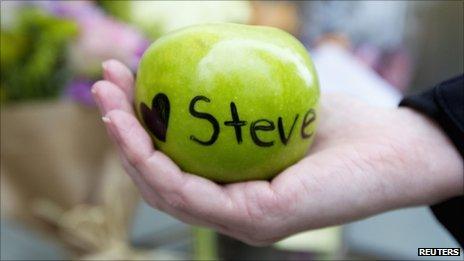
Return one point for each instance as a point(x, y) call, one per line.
point(34, 62)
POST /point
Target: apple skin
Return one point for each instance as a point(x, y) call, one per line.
point(265, 71)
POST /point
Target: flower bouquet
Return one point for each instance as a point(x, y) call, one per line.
point(59, 172)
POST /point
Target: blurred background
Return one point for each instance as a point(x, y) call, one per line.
point(63, 192)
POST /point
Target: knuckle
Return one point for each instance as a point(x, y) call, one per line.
point(136, 161)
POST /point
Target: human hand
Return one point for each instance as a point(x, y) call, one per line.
point(364, 161)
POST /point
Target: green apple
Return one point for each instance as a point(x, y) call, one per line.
point(229, 102)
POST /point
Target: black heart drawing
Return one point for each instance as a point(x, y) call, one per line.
point(156, 119)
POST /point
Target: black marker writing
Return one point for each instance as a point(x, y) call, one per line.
point(309, 117)
point(206, 116)
point(157, 118)
point(236, 122)
point(282, 131)
point(256, 127)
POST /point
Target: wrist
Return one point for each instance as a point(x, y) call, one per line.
point(440, 164)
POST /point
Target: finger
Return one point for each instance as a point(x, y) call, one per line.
point(129, 136)
point(190, 198)
point(155, 200)
point(119, 74)
point(109, 97)
point(188, 193)
point(150, 195)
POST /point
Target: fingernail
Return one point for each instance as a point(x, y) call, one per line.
point(106, 119)
point(105, 66)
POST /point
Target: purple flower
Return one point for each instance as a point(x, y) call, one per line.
point(100, 38)
point(80, 90)
point(71, 9)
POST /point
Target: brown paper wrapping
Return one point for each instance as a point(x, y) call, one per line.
point(61, 175)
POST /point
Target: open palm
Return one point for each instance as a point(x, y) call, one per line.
point(365, 160)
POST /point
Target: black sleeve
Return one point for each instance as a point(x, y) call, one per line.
point(445, 104)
